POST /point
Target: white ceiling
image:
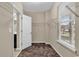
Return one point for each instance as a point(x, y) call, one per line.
point(37, 6)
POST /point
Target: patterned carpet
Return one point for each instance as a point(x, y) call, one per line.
point(39, 50)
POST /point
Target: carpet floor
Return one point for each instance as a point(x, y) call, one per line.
point(39, 50)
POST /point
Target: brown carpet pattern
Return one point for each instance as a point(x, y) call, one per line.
point(39, 50)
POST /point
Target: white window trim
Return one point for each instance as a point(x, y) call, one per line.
point(67, 45)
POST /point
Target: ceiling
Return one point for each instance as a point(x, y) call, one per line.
point(37, 6)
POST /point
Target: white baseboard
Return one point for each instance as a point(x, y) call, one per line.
point(50, 44)
point(47, 42)
point(18, 53)
point(38, 42)
point(15, 54)
point(55, 50)
point(18, 49)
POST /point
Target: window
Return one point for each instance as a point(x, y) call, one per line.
point(66, 27)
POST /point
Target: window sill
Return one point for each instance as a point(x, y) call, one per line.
point(65, 44)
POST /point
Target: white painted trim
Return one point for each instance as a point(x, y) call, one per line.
point(38, 41)
point(47, 43)
point(50, 44)
point(65, 44)
point(56, 50)
point(18, 53)
point(20, 37)
point(18, 48)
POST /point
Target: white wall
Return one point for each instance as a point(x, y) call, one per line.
point(5, 28)
point(63, 51)
point(38, 26)
point(77, 28)
point(45, 29)
point(19, 7)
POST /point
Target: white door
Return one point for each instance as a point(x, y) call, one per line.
point(26, 31)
